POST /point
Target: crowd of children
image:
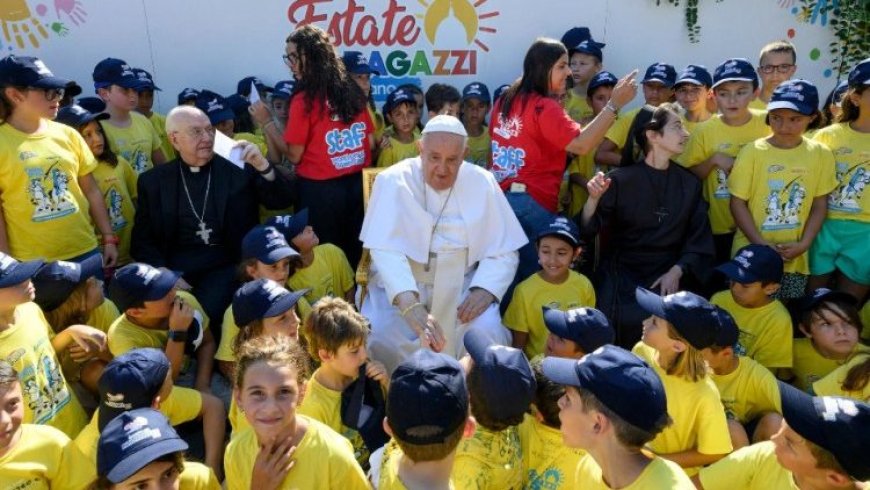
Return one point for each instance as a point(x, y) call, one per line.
point(761, 380)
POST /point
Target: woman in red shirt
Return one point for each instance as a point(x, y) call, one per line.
point(532, 135)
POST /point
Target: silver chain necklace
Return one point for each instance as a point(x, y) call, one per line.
point(204, 232)
point(437, 220)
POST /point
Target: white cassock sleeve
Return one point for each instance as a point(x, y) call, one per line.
point(394, 271)
point(495, 274)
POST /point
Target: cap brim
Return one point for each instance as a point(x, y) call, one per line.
point(138, 460)
point(784, 104)
point(799, 411)
point(737, 274)
point(163, 283)
point(476, 343)
point(561, 234)
point(689, 80)
point(23, 271)
point(133, 83)
point(52, 82)
point(561, 370)
point(666, 83)
point(285, 303)
point(221, 116)
point(93, 265)
point(297, 224)
point(554, 320)
point(734, 79)
point(650, 302)
point(278, 254)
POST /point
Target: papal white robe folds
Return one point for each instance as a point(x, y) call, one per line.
point(474, 244)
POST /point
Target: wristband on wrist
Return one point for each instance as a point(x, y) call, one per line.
point(408, 309)
point(110, 239)
point(177, 335)
point(266, 170)
point(612, 108)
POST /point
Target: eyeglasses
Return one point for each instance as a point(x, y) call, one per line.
point(290, 59)
point(199, 133)
point(783, 68)
point(51, 94)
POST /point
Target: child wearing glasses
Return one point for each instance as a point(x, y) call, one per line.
point(776, 64)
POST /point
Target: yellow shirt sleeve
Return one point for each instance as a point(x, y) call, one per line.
point(198, 476)
point(618, 133)
point(832, 384)
point(742, 174)
point(516, 316)
point(182, 405)
point(104, 315)
point(228, 337)
point(749, 468)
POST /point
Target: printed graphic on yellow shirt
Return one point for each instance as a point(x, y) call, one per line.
point(846, 198)
point(44, 401)
point(784, 202)
point(114, 200)
point(48, 190)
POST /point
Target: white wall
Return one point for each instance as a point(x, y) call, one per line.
point(214, 43)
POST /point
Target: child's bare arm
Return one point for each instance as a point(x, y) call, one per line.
point(744, 221)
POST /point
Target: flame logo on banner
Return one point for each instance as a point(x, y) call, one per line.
point(463, 11)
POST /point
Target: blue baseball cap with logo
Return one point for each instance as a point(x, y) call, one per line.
point(499, 91)
point(695, 75)
point(262, 298)
point(754, 263)
point(290, 224)
point(735, 70)
point(575, 36)
point(397, 97)
point(692, 316)
point(507, 382)
point(243, 88)
point(139, 282)
point(94, 105)
point(836, 95)
point(131, 381)
point(77, 116)
point(29, 71)
point(476, 90)
point(13, 272)
point(187, 95)
point(727, 332)
point(860, 75)
point(146, 79)
point(112, 71)
point(563, 228)
point(662, 73)
point(798, 95)
point(620, 380)
point(587, 327)
point(355, 62)
point(57, 280)
point(215, 106)
point(284, 89)
point(267, 245)
point(590, 47)
point(601, 79)
point(132, 441)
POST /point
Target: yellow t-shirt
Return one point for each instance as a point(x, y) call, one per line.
point(577, 107)
point(378, 121)
point(479, 148)
point(489, 460)
point(758, 105)
point(125, 335)
point(810, 366)
point(618, 133)
point(398, 151)
point(691, 125)
point(329, 275)
point(697, 411)
point(45, 458)
point(159, 123)
point(229, 330)
point(779, 187)
point(832, 384)
point(256, 139)
point(525, 314)
point(135, 143)
point(547, 461)
point(852, 156)
point(865, 319)
point(182, 405)
point(48, 399)
point(324, 405)
point(714, 136)
point(388, 478)
point(324, 460)
point(749, 468)
point(197, 476)
point(749, 392)
point(584, 165)
point(104, 315)
point(118, 186)
point(659, 474)
point(46, 212)
point(765, 332)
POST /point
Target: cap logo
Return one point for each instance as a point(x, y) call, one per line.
point(792, 92)
point(730, 68)
point(743, 258)
point(361, 59)
point(6, 262)
point(147, 273)
point(126, 71)
point(215, 105)
point(42, 69)
point(835, 406)
point(274, 289)
point(275, 239)
point(575, 314)
point(67, 265)
point(138, 431)
point(117, 401)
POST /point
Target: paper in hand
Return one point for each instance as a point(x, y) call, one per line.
point(227, 148)
point(255, 94)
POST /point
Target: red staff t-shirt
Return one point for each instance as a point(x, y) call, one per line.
point(529, 146)
point(332, 148)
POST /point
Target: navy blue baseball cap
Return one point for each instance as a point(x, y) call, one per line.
point(507, 381)
point(131, 381)
point(266, 244)
point(290, 224)
point(139, 282)
point(590, 47)
point(620, 380)
point(77, 116)
point(93, 105)
point(132, 441)
point(29, 71)
point(146, 79)
point(357, 63)
point(397, 97)
point(860, 75)
point(662, 73)
point(243, 88)
point(735, 70)
point(575, 36)
point(837, 425)
point(499, 91)
point(691, 315)
point(818, 296)
point(798, 95)
point(587, 327)
point(13, 272)
point(754, 263)
point(695, 75)
point(262, 298)
point(727, 332)
point(476, 90)
point(836, 95)
point(112, 71)
point(601, 79)
point(428, 398)
point(57, 280)
point(215, 106)
point(284, 89)
point(563, 228)
point(187, 95)
point(238, 104)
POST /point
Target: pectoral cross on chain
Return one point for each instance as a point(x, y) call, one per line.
point(661, 213)
point(204, 232)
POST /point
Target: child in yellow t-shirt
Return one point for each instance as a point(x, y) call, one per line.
point(680, 326)
point(584, 58)
point(830, 322)
point(776, 64)
point(114, 175)
point(850, 380)
point(337, 337)
point(269, 375)
point(554, 286)
point(145, 106)
point(614, 404)
point(35, 456)
point(140, 449)
point(501, 386)
point(841, 244)
point(576, 332)
point(476, 104)
point(765, 324)
point(780, 184)
point(400, 138)
point(692, 91)
point(325, 270)
point(822, 443)
point(130, 134)
point(748, 391)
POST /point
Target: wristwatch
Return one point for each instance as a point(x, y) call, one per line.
point(178, 335)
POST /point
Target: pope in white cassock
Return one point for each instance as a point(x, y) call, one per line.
point(443, 242)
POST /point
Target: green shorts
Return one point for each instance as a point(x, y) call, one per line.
point(843, 245)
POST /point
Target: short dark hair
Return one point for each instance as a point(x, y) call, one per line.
point(440, 94)
point(547, 394)
point(627, 434)
point(481, 412)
